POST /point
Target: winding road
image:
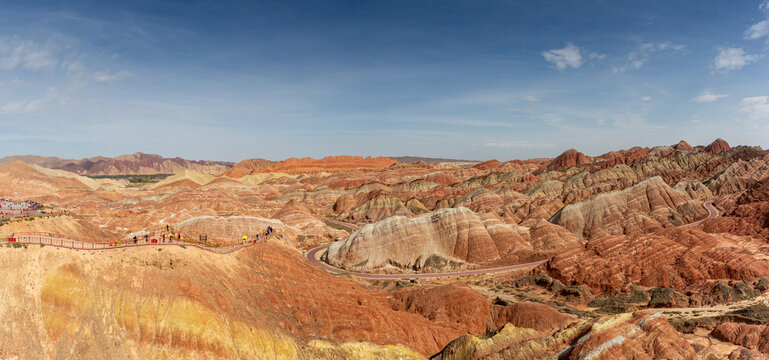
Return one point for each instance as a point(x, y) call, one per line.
point(712, 213)
point(313, 257)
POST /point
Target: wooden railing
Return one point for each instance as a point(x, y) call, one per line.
point(56, 240)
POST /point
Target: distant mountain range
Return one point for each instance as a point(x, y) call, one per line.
point(429, 160)
point(146, 164)
point(137, 163)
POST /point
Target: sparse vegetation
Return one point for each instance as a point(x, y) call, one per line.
point(135, 178)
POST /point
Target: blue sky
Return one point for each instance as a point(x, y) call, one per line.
point(461, 79)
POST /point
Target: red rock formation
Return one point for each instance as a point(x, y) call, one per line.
point(647, 334)
point(622, 157)
point(718, 146)
point(488, 164)
point(675, 258)
point(457, 235)
point(530, 315)
point(247, 167)
point(568, 158)
point(645, 207)
point(682, 146)
point(255, 303)
point(454, 305)
point(754, 337)
point(137, 163)
point(21, 181)
point(621, 337)
point(330, 164)
point(458, 305)
point(550, 237)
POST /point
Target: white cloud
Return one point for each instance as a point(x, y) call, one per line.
point(19, 83)
point(761, 28)
point(26, 55)
point(643, 53)
point(708, 96)
point(531, 98)
point(106, 77)
point(82, 75)
point(518, 144)
point(29, 106)
point(732, 59)
point(758, 30)
point(646, 98)
point(595, 55)
point(756, 107)
point(569, 56)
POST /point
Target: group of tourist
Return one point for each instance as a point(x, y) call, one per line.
point(170, 235)
point(18, 208)
point(19, 205)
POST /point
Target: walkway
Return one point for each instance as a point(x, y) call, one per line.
point(61, 241)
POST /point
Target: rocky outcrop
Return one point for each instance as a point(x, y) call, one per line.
point(625, 157)
point(647, 206)
point(380, 206)
point(550, 237)
point(330, 164)
point(568, 158)
point(718, 146)
point(311, 230)
point(682, 146)
point(481, 200)
point(754, 337)
point(625, 336)
point(181, 179)
point(676, 258)
point(21, 181)
point(740, 175)
point(454, 235)
point(247, 167)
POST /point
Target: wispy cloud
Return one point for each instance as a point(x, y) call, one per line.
point(756, 108)
point(30, 106)
point(761, 28)
point(26, 55)
point(646, 98)
point(643, 53)
point(531, 98)
point(732, 59)
point(518, 144)
point(568, 56)
point(81, 75)
point(708, 96)
point(46, 63)
point(107, 77)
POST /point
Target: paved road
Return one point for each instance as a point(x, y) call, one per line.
point(312, 255)
point(712, 213)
